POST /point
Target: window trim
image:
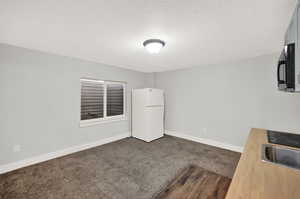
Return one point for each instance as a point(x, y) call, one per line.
point(105, 118)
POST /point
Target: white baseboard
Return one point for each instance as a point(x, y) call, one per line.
point(48, 156)
point(205, 141)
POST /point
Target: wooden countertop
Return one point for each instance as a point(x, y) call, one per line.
point(256, 179)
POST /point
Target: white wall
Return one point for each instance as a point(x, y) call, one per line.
point(40, 102)
point(150, 80)
point(227, 100)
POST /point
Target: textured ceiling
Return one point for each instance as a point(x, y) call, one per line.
point(196, 32)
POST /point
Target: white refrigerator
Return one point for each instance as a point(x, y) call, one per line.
point(147, 114)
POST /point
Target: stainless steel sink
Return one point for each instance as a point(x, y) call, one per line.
point(281, 156)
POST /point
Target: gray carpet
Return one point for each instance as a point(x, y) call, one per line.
point(128, 168)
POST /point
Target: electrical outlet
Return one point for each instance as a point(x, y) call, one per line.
point(17, 148)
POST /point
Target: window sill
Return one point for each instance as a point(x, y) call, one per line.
point(101, 121)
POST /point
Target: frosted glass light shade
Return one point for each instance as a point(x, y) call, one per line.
point(154, 46)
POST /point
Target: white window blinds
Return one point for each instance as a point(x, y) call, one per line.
point(92, 99)
point(102, 100)
point(115, 99)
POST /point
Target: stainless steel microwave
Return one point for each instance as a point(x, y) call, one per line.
point(286, 74)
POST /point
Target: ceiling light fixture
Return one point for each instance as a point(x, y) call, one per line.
point(153, 46)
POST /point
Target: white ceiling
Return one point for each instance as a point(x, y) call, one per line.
point(196, 32)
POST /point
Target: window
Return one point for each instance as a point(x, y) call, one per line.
point(101, 101)
point(92, 99)
point(114, 99)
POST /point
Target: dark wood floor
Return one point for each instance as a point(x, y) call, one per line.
point(196, 183)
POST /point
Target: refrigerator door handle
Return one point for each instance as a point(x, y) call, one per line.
point(155, 106)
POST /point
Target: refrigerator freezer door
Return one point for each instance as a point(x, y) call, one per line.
point(155, 122)
point(155, 97)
